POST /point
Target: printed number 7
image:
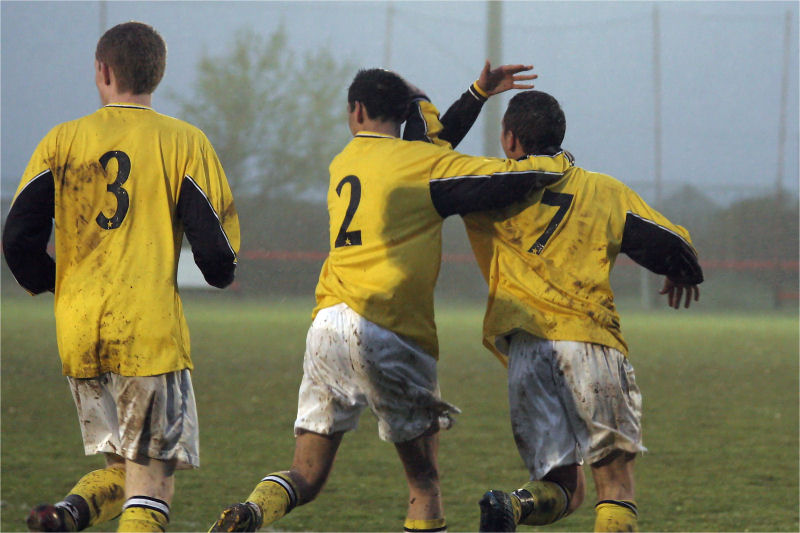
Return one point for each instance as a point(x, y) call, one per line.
point(556, 199)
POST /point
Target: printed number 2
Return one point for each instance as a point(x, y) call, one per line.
point(345, 237)
point(556, 199)
point(115, 188)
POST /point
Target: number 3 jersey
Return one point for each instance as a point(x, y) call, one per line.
point(123, 185)
point(387, 200)
point(548, 259)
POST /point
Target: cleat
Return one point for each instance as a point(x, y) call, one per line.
point(497, 514)
point(47, 517)
point(238, 517)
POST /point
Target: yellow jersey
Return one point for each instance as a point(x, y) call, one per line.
point(123, 184)
point(387, 200)
point(548, 260)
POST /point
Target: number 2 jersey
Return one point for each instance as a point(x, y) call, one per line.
point(123, 185)
point(387, 200)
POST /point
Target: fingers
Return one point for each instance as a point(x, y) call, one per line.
point(692, 293)
point(513, 69)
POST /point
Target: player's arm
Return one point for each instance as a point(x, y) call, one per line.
point(662, 247)
point(461, 115)
point(210, 222)
point(26, 234)
point(463, 184)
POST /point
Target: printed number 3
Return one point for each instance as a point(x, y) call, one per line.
point(344, 237)
point(115, 188)
point(556, 199)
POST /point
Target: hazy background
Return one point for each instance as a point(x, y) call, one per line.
point(722, 71)
point(728, 77)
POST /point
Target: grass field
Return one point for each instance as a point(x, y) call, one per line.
point(720, 402)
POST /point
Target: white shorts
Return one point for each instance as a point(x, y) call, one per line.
point(351, 363)
point(571, 401)
point(136, 417)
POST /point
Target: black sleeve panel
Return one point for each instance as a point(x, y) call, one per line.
point(26, 233)
point(456, 122)
point(416, 129)
point(464, 194)
point(459, 117)
point(212, 252)
point(660, 250)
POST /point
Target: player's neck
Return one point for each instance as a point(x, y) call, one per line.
point(379, 126)
point(128, 98)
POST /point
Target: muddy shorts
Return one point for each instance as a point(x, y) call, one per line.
point(351, 363)
point(136, 417)
point(570, 402)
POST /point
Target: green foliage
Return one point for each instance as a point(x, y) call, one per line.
point(276, 120)
point(720, 420)
point(757, 228)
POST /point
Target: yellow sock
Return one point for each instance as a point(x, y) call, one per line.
point(142, 513)
point(275, 495)
point(539, 502)
point(616, 515)
point(435, 524)
point(103, 491)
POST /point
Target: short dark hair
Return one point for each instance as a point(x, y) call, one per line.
point(536, 120)
point(136, 53)
point(384, 94)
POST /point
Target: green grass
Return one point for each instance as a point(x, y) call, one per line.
point(720, 419)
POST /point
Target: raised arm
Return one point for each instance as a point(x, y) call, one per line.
point(461, 115)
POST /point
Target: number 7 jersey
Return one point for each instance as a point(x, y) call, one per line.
point(547, 260)
point(123, 185)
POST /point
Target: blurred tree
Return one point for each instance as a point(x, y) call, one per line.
point(762, 228)
point(275, 121)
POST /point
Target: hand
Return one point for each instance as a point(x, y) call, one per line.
point(674, 292)
point(504, 77)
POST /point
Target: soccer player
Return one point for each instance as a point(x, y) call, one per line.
point(123, 184)
point(551, 319)
point(373, 340)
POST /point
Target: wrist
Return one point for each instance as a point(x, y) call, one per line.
point(478, 92)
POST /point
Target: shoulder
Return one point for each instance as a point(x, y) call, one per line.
point(180, 126)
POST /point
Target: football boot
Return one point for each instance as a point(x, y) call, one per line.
point(497, 514)
point(47, 517)
point(238, 517)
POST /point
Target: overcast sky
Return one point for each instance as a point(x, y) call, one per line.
point(722, 71)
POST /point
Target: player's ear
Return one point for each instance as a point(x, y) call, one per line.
point(105, 72)
point(360, 112)
point(509, 142)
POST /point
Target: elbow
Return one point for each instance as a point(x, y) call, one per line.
point(219, 273)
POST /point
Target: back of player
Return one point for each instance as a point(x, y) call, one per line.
point(123, 185)
point(551, 318)
point(569, 236)
point(385, 233)
point(118, 176)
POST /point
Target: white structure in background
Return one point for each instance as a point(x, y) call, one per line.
point(189, 276)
